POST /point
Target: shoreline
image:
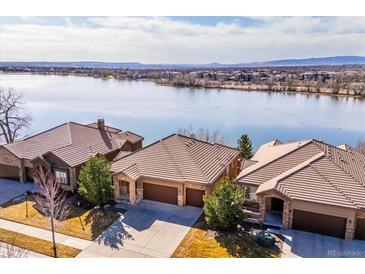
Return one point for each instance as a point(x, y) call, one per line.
point(227, 85)
point(264, 90)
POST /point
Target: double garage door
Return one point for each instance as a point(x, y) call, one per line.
point(319, 223)
point(167, 194)
point(9, 172)
point(164, 194)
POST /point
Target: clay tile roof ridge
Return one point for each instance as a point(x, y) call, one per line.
point(143, 148)
point(335, 187)
point(35, 135)
point(131, 132)
point(300, 145)
point(300, 142)
point(69, 133)
point(71, 141)
point(136, 170)
point(191, 157)
point(273, 183)
point(336, 164)
point(90, 127)
point(172, 159)
point(205, 142)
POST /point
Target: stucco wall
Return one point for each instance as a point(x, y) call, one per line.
point(323, 209)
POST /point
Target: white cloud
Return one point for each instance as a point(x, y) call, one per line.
point(163, 40)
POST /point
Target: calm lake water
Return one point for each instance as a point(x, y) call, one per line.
point(156, 111)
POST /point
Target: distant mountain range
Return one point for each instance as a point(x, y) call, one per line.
point(323, 61)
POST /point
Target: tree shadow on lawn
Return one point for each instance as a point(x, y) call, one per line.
point(105, 229)
point(242, 243)
point(16, 200)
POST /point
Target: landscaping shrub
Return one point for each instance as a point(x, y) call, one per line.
point(95, 181)
point(265, 239)
point(223, 208)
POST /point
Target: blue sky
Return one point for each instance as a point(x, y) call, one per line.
point(60, 20)
point(179, 39)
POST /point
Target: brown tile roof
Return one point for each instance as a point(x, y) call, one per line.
point(247, 163)
point(130, 136)
point(71, 142)
point(272, 161)
point(312, 171)
point(107, 128)
point(177, 158)
point(36, 145)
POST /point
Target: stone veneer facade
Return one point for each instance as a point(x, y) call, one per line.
point(265, 204)
point(8, 158)
point(289, 207)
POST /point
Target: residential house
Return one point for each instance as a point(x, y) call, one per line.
point(65, 149)
point(177, 170)
point(309, 185)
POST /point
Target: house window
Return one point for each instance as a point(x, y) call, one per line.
point(250, 193)
point(61, 176)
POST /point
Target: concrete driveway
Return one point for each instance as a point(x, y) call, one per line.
point(310, 245)
point(11, 189)
point(148, 229)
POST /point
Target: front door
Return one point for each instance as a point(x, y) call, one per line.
point(124, 190)
point(277, 205)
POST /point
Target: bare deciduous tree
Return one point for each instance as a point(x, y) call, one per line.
point(12, 251)
point(361, 146)
point(50, 200)
point(203, 134)
point(12, 118)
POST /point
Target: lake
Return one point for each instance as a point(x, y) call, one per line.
point(155, 111)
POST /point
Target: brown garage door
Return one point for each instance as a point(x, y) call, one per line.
point(319, 223)
point(9, 172)
point(194, 197)
point(159, 193)
point(360, 229)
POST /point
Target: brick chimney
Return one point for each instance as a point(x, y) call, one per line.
point(101, 124)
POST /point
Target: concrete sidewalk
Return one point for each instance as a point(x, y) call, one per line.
point(44, 234)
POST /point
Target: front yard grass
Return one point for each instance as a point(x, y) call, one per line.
point(36, 245)
point(202, 243)
point(82, 223)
